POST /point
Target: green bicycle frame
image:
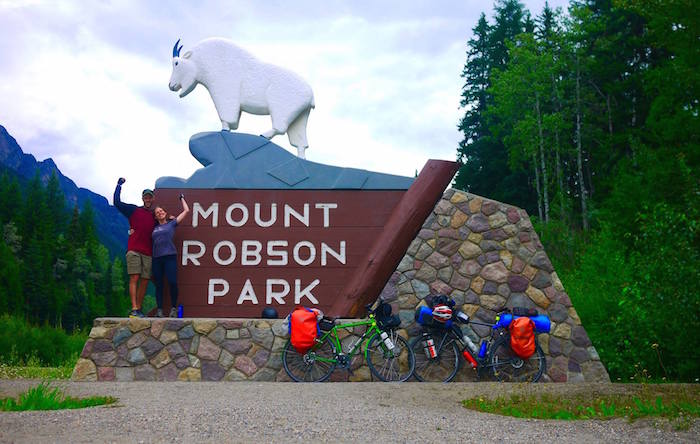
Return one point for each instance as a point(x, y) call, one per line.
point(371, 331)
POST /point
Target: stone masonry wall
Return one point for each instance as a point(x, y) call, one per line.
point(486, 255)
point(482, 253)
point(154, 349)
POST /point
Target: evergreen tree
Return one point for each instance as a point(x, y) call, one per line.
point(10, 281)
point(483, 155)
point(10, 200)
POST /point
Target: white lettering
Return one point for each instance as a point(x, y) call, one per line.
point(244, 215)
point(326, 207)
point(325, 249)
point(198, 211)
point(312, 253)
point(278, 296)
point(213, 292)
point(247, 294)
point(282, 255)
point(289, 211)
point(194, 257)
point(250, 248)
point(232, 252)
point(273, 215)
point(306, 292)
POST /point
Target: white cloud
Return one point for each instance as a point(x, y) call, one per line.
point(86, 83)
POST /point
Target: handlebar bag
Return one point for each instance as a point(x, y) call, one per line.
point(522, 337)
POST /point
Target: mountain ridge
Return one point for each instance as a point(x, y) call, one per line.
point(110, 224)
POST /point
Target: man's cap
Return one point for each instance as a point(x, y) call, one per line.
point(147, 191)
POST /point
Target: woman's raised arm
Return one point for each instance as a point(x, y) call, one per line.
point(185, 209)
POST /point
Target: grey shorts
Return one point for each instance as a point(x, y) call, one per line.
point(137, 263)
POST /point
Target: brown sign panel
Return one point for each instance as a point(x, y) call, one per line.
point(242, 250)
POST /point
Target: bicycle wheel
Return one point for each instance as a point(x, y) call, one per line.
point(509, 367)
point(305, 367)
point(390, 365)
point(443, 367)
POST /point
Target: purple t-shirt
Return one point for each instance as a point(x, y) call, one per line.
point(163, 239)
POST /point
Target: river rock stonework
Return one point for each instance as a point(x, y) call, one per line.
point(154, 349)
point(486, 256)
point(482, 253)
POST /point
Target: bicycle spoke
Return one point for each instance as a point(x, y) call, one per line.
point(312, 366)
point(390, 365)
point(509, 367)
point(441, 368)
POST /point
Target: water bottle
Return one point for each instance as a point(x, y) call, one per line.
point(470, 359)
point(387, 340)
point(482, 350)
point(429, 346)
point(467, 340)
point(179, 311)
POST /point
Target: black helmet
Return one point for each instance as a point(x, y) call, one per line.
point(269, 313)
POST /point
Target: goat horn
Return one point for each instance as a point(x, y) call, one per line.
point(176, 50)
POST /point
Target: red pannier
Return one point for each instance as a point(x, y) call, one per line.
point(522, 337)
point(303, 329)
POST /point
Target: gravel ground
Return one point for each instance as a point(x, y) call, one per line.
point(335, 412)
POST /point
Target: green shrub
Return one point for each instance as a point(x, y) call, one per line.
point(22, 344)
point(636, 293)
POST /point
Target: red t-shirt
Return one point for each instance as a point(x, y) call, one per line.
point(142, 222)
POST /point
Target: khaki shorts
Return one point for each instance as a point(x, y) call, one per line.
point(137, 263)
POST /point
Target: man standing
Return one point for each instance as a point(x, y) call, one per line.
point(140, 246)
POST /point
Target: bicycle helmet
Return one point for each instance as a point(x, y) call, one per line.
point(442, 313)
point(269, 313)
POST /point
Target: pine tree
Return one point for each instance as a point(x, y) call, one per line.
point(483, 155)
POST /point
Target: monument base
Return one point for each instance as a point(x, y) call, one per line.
point(191, 349)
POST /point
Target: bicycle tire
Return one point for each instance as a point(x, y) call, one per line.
point(390, 365)
point(508, 367)
point(442, 368)
point(303, 367)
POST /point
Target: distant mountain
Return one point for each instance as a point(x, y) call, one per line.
point(111, 225)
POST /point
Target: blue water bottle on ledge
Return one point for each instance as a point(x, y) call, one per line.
point(179, 311)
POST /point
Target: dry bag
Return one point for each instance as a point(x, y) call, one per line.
point(522, 337)
point(303, 329)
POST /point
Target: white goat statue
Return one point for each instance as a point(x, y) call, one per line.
point(237, 81)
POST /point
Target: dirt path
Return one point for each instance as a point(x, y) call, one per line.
point(337, 412)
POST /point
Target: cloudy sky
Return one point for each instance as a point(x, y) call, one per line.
point(86, 82)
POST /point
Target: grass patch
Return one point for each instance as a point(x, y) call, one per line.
point(677, 406)
point(45, 397)
point(36, 372)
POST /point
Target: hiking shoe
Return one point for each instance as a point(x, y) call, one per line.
point(159, 313)
point(139, 314)
point(134, 314)
point(173, 312)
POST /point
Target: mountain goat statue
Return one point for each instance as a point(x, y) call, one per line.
point(237, 81)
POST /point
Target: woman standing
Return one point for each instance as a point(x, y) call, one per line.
point(165, 255)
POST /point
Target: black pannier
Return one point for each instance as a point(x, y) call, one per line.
point(385, 319)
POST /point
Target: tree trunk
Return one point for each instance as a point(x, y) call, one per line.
point(560, 182)
point(608, 107)
point(579, 157)
point(631, 134)
point(545, 182)
point(537, 185)
point(557, 147)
